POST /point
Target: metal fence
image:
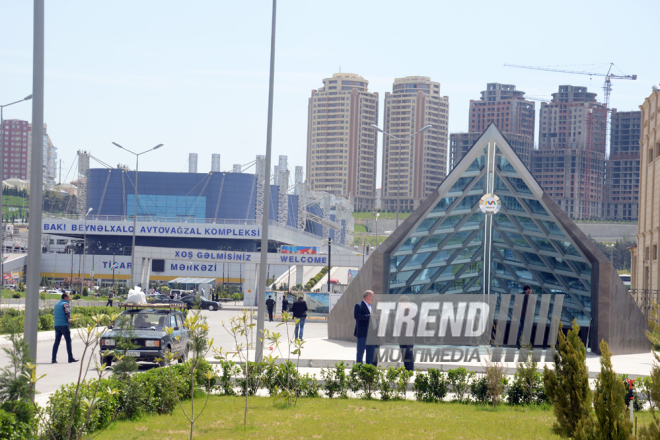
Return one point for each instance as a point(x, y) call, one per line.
point(646, 299)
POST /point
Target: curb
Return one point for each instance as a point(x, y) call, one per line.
point(41, 337)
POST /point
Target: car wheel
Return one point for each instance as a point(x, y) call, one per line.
point(107, 360)
point(184, 356)
point(211, 308)
point(163, 363)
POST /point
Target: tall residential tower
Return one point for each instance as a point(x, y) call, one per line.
point(414, 167)
point(342, 147)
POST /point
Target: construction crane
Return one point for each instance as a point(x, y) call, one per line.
point(609, 76)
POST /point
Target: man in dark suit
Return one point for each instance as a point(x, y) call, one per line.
point(362, 314)
point(285, 304)
point(270, 305)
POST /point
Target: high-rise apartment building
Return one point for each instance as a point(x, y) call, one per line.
point(570, 161)
point(16, 146)
point(645, 266)
point(413, 167)
point(342, 147)
point(507, 108)
point(622, 175)
point(18, 155)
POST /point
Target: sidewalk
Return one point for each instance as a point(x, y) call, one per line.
point(41, 337)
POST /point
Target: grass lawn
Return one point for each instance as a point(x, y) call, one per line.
point(383, 215)
point(360, 228)
point(341, 419)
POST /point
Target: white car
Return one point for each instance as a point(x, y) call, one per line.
point(54, 291)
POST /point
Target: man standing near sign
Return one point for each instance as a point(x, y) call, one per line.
point(362, 314)
point(270, 304)
point(62, 313)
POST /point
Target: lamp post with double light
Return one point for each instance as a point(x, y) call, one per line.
point(135, 203)
point(2, 178)
point(398, 173)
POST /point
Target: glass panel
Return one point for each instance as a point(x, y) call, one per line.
point(437, 286)
point(459, 238)
point(552, 228)
point(527, 224)
point(418, 259)
point(519, 185)
point(443, 204)
point(500, 187)
point(401, 277)
point(559, 264)
point(467, 253)
point(503, 220)
point(511, 204)
point(450, 222)
point(547, 277)
point(426, 225)
point(504, 165)
point(583, 268)
point(533, 259)
point(461, 184)
point(478, 164)
point(536, 207)
point(500, 269)
point(468, 202)
point(507, 254)
point(409, 244)
point(497, 238)
point(410, 289)
point(543, 244)
point(573, 283)
point(477, 239)
point(568, 248)
point(396, 261)
point(522, 273)
point(480, 185)
point(474, 220)
point(434, 241)
point(440, 258)
point(451, 271)
point(517, 239)
point(427, 274)
point(473, 268)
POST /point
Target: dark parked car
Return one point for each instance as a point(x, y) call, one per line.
point(201, 302)
point(163, 299)
point(146, 328)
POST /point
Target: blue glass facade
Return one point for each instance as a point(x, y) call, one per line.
point(160, 207)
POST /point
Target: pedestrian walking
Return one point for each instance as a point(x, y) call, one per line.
point(62, 314)
point(110, 298)
point(270, 304)
point(362, 314)
point(285, 304)
point(299, 309)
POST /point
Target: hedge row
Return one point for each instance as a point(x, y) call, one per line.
point(14, 319)
point(314, 280)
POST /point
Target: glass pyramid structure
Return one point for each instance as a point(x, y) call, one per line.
point(450, 245)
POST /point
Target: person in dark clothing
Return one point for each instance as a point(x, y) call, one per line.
point(362, 314)
point(62, 313)
point(527, 290)
point(270, 305)
point(110, 298)
point(285, 304)
point(299, 309)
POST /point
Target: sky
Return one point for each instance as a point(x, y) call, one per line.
point(194, 75)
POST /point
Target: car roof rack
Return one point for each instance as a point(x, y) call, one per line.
point(126, 306)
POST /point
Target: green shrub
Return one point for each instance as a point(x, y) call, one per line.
point(16, 295)
point(85, 292)
point(256, 377)
point(431, 386)
point(25, 417)
point(229, 369)
point(459, 379)
point(365, 379)
point(13, 429)
point(394, 383)
point(76, 296)
point(46, 322)
point(479, 389)
point(336, 381)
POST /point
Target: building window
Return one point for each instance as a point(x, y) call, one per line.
point(655, 252)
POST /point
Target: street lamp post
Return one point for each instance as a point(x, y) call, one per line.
point(2, 178)
point(329, 243)
point(135, 203)
point(398, 174)
point(84, 249)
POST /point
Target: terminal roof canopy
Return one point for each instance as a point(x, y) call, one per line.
point(186, 280)
point(455, 248)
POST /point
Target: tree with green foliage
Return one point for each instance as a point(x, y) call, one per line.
point(567, 386)
point(609, 402)
point(13, 385)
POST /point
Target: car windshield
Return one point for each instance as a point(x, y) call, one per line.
point(142, 320)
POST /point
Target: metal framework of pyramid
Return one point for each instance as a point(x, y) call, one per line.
point(455, 247)
point(449, 246)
